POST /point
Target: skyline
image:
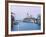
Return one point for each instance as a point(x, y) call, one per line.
point(21, 11)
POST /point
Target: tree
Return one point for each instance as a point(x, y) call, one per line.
point(39, 16)
point(39, 19)
point(12, 20)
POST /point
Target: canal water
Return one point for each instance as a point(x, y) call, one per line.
point(24, 26)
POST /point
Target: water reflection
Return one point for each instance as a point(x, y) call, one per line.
point(23, 26)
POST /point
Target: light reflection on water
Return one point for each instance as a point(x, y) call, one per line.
point(23, 26)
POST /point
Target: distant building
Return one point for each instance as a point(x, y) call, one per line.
point(29, 18)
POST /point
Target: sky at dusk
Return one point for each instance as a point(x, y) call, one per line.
point(21, 11)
